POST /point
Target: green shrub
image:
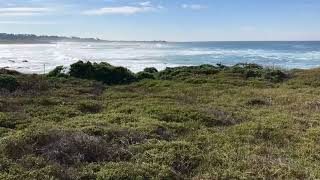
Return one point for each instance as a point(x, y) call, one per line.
point(58, 72)
point(222, 67)
point(252, 73)
point(81, 70)
point(120, 75)
point(8, 82)
point(242, 67)
point(248, 70)
point(9, 72)
point(151, 70)
point(275, 75)
point(187, 71)
point(102, 72)
point(145, 75)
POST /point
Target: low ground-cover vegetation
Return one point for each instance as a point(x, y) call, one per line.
point(201, 122)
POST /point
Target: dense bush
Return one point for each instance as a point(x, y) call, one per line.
point(9, 72)
point(275, 75)
point(185, 71)
point(81, 70)
point(222, 67)
point(102, 72)
point(150, 70)
point(8, 82)
point(58, 72)
point(119, 75)
point(145, 75)
point(249, 70)
point(110, 75)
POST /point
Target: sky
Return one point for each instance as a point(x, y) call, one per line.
point(170, 20)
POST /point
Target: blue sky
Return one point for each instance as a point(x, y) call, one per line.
point(172, 20)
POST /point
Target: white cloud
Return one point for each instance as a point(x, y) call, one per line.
point(24, 11)
point(193, 6)
point(119, 10)
point(146, 3)
point(26, 22)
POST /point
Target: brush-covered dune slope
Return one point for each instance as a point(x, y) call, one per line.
point(203, 122)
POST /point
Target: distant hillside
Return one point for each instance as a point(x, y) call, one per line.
point(31, 38)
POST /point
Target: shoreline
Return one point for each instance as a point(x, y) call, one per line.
point(137, 56)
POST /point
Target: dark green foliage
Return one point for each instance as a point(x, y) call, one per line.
point(9, 72)
point(145, 75)
point(151, 70)
point(8, 82)
point(31, 38)
point(81, 70)
point(252, 73)
point(275, 75)
point(102, 72)
point(120, 75)
point(257, 71)
point(7, 123)
point(222, 67)
point(183, 72)
point(248, 70)
point(109, 74)
point(58, 72)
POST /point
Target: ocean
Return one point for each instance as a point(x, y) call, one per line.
point(39, 58)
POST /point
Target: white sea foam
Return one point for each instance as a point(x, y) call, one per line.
point(138, 55)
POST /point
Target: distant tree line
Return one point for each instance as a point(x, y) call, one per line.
point(34, 38)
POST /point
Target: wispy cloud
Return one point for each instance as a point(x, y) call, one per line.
point(146, 3)
point(24, 11)
point(193, 6)
point(26, 22)
point(120, 10)
point(131, 8)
